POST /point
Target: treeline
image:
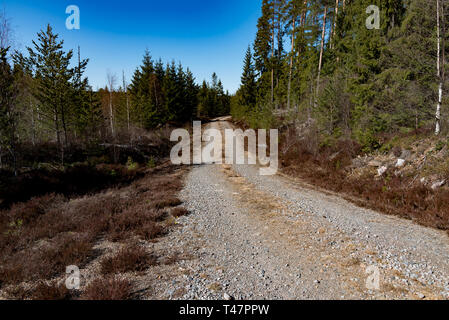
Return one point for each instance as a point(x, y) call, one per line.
point(45, 97)
point(325, 63)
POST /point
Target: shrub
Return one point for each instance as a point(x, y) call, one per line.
point(169, 202)
point(45, 291)
point(129, 259)
point(131, 165)
point(440, 145)
point(150, 231)
point(108, 289)
point(179, 212)
point(151, 163)
point(74, 181)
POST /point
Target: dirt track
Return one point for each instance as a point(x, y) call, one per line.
point(256, 237)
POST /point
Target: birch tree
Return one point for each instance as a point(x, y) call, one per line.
point(5, 30)
point(293, 12)
point(320, 63)
point(125, 88)
point(334, 27)
point(111, 79)
point(440, 70)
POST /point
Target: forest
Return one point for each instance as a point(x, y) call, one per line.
point(47, 103)
point(317, 62)
point(361, 105)
point(78, 165)
point(93, 208)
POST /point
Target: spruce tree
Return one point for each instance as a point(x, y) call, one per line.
point(51, 66)
point(191, 96)
point(248, 88)
point(263, 48)
point(8, 115)
point(81, 116)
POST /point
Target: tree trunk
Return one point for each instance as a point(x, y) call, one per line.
point(64, 126)
point(125, 88)
point(320, 64)
point(272, 67)
point(111, 114)
point(334, 27)
point(56, 120)
point(304, 12)
point(127, 110)
point(33, 124)
point(14, 147)
point(291, 59)
point(439, 74)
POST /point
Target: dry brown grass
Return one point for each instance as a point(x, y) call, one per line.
point(108, 289)
point(44, 291)
point(74, 181)
point(41, 237)
point(41, 291)
point(132, 258)
point(179, 212)
point(166, 203)
point(391, 194)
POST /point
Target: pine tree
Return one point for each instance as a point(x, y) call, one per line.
point(293, 10)
point(248, 88)
point(263, 48)
point(81, 116)
point(203, 103)
point(170, 88)
point(53, 75)
point(146, 109)
point(8, 115)
point(191, 95)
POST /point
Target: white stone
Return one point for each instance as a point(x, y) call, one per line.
point(400, 163)
point(438, 185)
point(381, 171)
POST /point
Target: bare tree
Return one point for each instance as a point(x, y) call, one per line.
point(7, 99)
point(5, 30)
point(440, 66)
point(292, 53)
point(334, 27)
point(125, 88)
point(112, 79)
point(320, 63)
point(273, 35)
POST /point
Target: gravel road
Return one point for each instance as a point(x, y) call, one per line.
point(255, 237)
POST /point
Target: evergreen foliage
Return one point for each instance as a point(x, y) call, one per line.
point(370, 82)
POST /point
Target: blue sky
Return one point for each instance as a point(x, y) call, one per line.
point(206, 36)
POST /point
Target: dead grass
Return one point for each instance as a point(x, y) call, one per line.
point(45, 291)
point(166, 203)
point(41, 291)
point(47, 261)
point(74, 181)
point(132, 258)
point(41, 237)
point(391, 194)
point(179, 212)
point(108, 289)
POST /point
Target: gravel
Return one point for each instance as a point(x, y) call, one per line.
point(253, 237)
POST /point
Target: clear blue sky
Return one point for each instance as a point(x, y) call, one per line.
point(206, 36)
